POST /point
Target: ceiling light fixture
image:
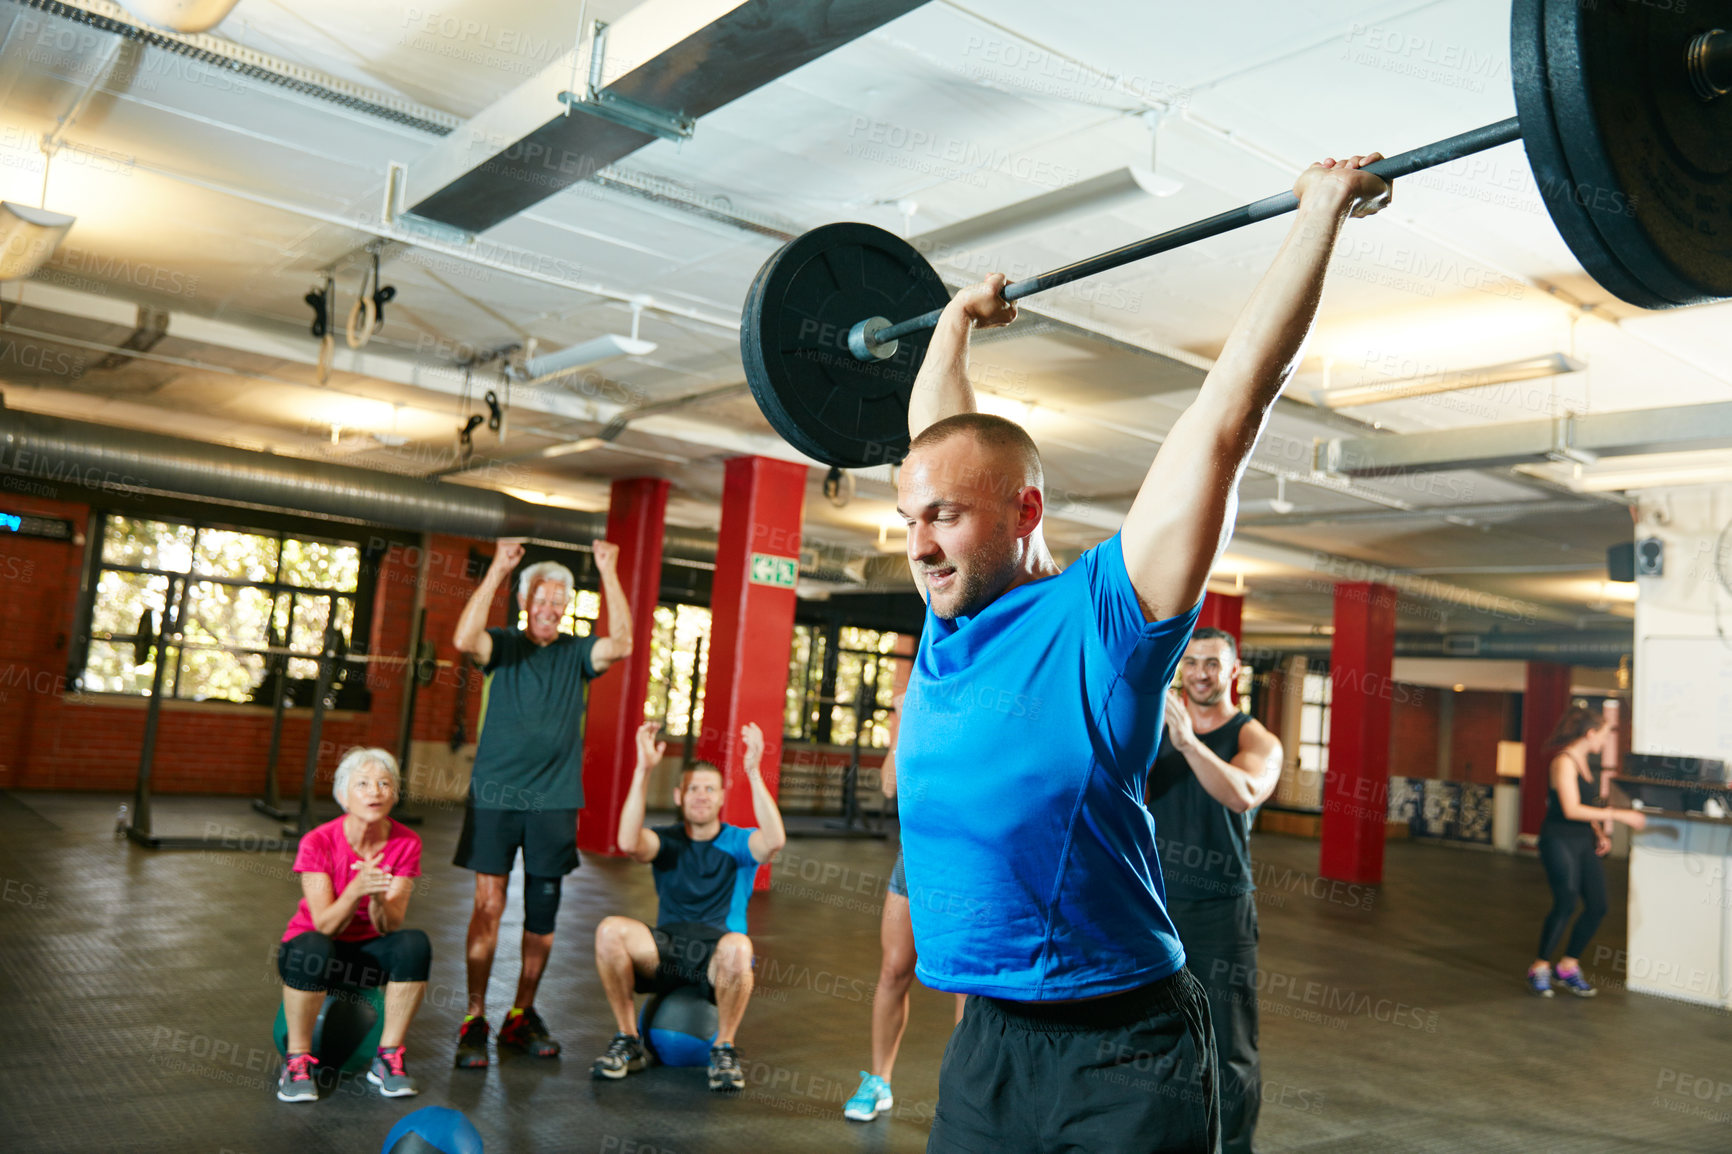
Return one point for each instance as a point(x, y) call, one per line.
point(187, 16)
point(28, 237)
point(1450, 381)
point(1110, 190)
point(535, 369)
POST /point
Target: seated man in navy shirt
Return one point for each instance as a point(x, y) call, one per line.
point(704, 870)
point(1033, 712)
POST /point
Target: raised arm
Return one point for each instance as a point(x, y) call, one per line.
point(941, 389)
point(471, 636)
point(1184, 512)
point(616, 646)
point(1242, 784)
point(769, 837)
point(635, 841)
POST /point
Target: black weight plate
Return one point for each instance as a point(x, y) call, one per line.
point(1656, 157)
point(1530, 77)
point(794, 341)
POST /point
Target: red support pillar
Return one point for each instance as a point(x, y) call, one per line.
point(1356, 788)
point(1222, 611)
point(1546, 699)
point(752, 623)
point(635, 522)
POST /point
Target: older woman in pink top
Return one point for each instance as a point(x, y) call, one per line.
point(356, 872)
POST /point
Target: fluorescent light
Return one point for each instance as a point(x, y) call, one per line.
point(28, 237)
point(603, 348)
point(1449, 381)
point(189, 16)
point(1098, 194)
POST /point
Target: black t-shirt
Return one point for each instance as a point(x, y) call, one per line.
point(530, 753)
point(1204, 847)
point(707, 882)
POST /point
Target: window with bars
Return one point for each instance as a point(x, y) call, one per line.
point(836, 673)
point(237, 595)
point(1314, 724)
point(679, 662)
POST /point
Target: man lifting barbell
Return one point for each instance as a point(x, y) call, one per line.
point(1025, 830)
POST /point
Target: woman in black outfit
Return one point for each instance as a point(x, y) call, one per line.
point(1576, 834)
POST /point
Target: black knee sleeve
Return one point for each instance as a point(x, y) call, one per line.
point(304, 962)
point(413, 961)
point(540, 904)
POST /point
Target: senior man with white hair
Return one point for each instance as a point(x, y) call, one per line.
point(527, 786)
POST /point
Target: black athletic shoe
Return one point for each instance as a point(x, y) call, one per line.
point(522, 1030)
point(472, 1044)
point(624, 1056)
point(725, 1072)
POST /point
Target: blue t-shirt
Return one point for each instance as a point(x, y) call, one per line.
point(707, 882)
point(1026, 738)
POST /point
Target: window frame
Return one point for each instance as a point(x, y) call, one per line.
point(352, 694)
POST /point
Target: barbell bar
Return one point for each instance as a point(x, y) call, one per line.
point(1623, 110)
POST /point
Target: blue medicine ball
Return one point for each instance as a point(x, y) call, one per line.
point(679, 1026)
point(433, 1130)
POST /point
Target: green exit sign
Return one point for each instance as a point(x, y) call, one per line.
point(768, 569)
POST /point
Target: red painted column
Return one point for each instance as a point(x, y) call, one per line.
point(752, 623)
point(635, 522)
point(1546, 699)
point(1224, 611)
point(1356, 788)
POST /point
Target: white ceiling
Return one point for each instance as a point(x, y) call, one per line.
point(224, 199)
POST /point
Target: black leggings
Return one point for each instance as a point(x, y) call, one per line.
point(1576, 874)
point(314, 962)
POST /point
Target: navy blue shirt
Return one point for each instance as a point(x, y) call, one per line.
point(707, 882)
point(529, 755)
point(1026, 738)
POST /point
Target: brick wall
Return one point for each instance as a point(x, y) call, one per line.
point(1481, 721)
point(52, 740)
point(1413, 731)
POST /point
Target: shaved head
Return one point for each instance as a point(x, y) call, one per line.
point(1006, 443)
point(970, 493)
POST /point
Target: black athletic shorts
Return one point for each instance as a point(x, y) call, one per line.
point(1132, 1073)
point(491, 838)
point(683, 953)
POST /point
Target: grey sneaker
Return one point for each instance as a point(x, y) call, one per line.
point(725, 1072)
point(295, 1083)
point(624, 1055)
point(389, 1074)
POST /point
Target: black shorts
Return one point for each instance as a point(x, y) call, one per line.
point(312, 961)
point(683, 953)
point(1131, 1073)
point(491, 837)
point(898, 878)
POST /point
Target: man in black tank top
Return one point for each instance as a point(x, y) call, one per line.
point(1214, 767)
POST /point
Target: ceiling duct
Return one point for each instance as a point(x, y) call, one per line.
point(647, 76)
point(109, 458)
point(1601, 647)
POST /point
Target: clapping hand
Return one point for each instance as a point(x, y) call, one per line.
point(371, 877)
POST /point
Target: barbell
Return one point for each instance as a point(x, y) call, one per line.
point(1622, 106)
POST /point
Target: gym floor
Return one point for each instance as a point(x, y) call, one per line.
point(141, 989)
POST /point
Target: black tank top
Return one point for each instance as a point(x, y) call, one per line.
point(1589, 791)
point(1204, 847)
